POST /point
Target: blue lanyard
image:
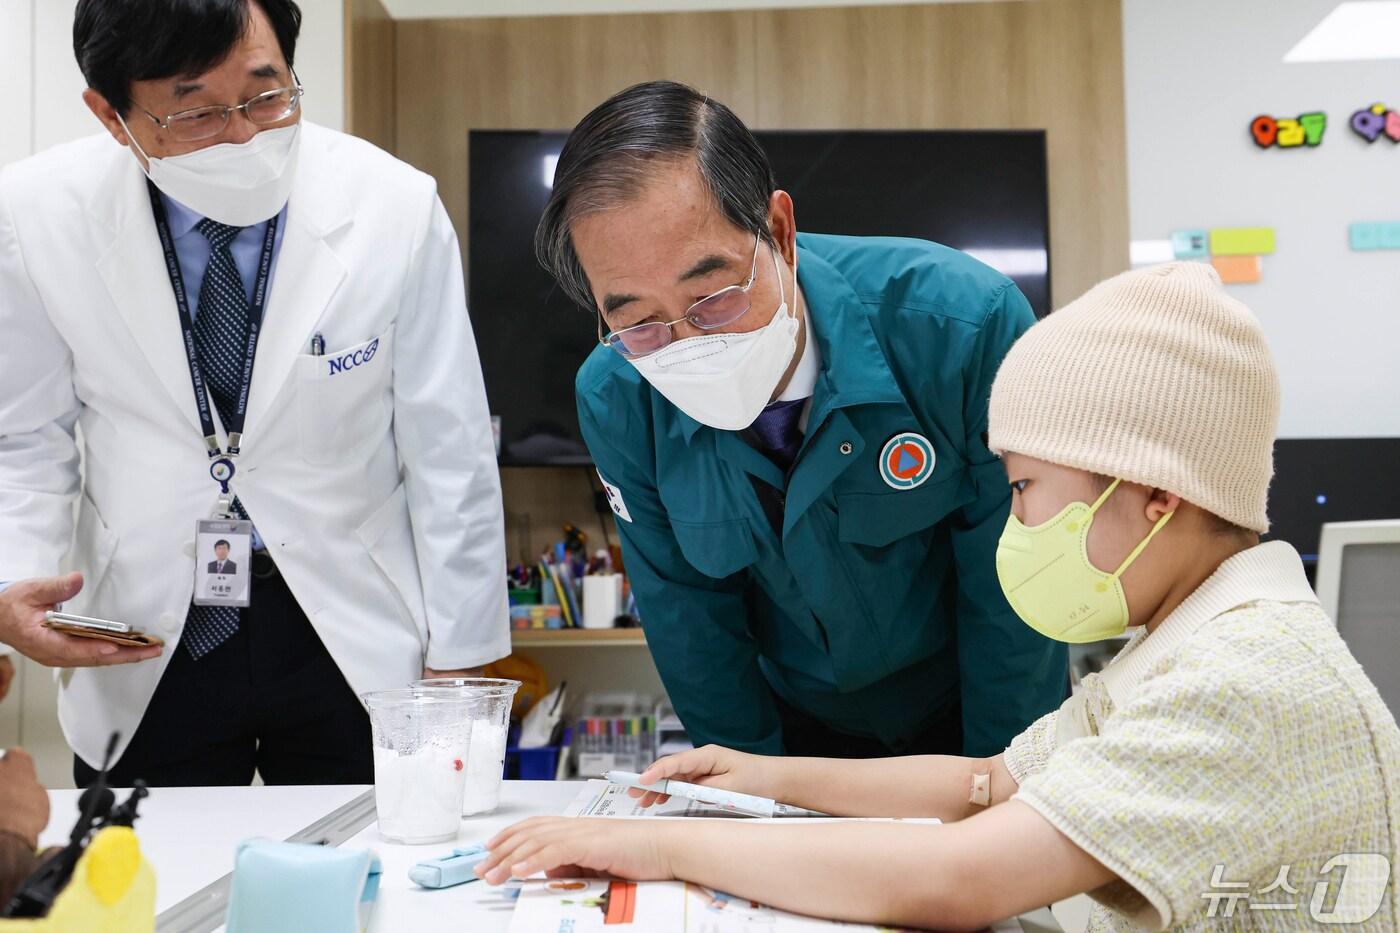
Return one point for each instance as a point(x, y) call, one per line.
point(221, 465)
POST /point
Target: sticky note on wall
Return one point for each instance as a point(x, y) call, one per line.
point(1241, 241)
point(1369, 236)
point(1190, 244)
point(1238, 270)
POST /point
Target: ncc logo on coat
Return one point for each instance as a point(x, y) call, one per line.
point(339, 364)
point(906, 461)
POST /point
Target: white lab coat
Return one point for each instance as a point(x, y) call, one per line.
point(375, 487)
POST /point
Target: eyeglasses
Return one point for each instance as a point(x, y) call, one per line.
point(190, 126)
point(722, 308)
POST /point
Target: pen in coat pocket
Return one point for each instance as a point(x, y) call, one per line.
point(318, 345)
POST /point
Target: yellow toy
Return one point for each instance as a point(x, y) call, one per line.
point(113, 890)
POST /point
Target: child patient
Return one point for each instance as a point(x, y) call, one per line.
point(1233, 762)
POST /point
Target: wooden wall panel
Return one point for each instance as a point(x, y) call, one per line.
point(1055, 65)
point(539, 500)
point(546, 73)
point(371, 72)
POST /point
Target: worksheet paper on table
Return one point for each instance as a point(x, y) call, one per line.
point(581, 906)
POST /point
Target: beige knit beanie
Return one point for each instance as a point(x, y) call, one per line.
point(1156, 376)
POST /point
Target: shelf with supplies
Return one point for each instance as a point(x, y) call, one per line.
point(577, 637)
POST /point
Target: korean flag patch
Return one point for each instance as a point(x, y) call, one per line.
point(615, 500)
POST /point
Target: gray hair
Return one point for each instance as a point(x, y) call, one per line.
point(611, 152)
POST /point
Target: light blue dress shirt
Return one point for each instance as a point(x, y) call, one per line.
point(192, 249)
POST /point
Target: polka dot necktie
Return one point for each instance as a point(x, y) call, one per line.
point(220, 336)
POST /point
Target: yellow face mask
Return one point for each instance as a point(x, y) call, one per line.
point(1048, 580)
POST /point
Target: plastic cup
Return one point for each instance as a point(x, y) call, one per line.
point(422, 740)
point(490, 700)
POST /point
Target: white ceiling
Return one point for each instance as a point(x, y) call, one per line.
point(430, 9)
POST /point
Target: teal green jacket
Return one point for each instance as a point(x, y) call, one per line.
point(876, 608)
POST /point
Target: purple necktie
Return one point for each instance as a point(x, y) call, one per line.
point(777, 430)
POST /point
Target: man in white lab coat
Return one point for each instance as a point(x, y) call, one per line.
point(317, 390)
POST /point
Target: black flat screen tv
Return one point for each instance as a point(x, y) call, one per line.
point(980, 191)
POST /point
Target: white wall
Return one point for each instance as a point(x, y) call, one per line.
point(1196, 73)
point(41, 106)
point(321, 61)
point(16, 108)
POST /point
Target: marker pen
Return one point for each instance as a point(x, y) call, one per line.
point(454, 869)
point(724, 799)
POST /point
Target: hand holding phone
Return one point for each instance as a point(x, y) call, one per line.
point(24, 626)
point(119, 633)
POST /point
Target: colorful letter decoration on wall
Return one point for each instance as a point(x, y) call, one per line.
point(1376, 121)
point(1288, 133)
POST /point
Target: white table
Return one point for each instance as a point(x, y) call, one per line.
point(189, 835)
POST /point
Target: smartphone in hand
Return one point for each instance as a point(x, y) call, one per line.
point(102, 629)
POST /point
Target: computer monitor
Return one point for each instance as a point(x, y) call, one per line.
point(1331, 479)
point(1358, 584)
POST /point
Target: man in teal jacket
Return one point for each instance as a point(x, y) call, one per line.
point(797, 462)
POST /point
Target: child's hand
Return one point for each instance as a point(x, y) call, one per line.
point(569, 847)
point(712, 766)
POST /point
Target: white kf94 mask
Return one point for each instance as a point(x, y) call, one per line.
point(239, 184)
point(725, 380)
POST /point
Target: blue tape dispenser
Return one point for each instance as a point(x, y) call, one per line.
point(449, 870)
point(288, 887)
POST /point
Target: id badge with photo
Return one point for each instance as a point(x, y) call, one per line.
point(223, 550)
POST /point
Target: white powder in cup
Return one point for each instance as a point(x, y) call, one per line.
point(418, 796)
point(486, 761)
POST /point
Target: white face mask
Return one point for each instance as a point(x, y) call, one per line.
point(239, 184)
point(725, 380)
